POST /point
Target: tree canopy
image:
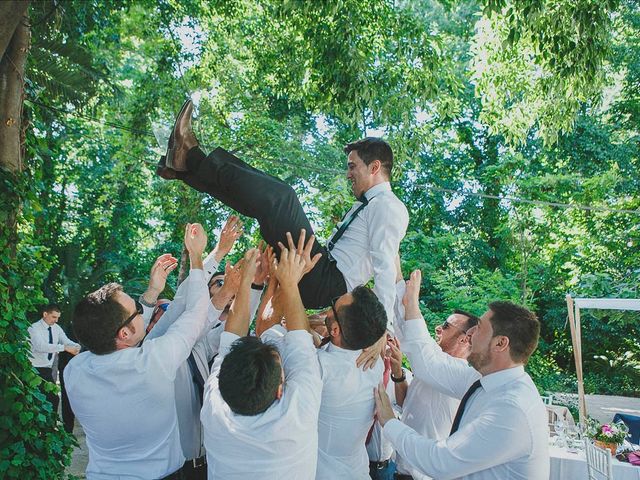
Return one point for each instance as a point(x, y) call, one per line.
point(514, 126)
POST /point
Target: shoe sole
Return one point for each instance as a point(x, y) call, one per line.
point(170, 147)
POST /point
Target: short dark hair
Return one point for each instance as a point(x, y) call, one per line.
point(363, 321)
point(472, 320)
point(97, 319)
point(51, 307)
point(372, 148)
point(520, 325)
point(249, 376)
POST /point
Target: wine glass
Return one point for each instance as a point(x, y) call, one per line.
point(573, 439)
point(559, 428)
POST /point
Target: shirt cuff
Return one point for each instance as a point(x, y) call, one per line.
point(210, 266)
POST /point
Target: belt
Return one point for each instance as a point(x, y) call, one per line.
point(402, 476)
point(379, 465)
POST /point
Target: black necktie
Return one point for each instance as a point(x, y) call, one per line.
point(198, 381)
point(50, 356)
point(456, 421)
point(346, 223)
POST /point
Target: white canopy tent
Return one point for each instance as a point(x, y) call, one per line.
point(573, 306)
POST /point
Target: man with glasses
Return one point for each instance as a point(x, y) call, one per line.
point(500, 428)
point(426, 408)
point(123, 393)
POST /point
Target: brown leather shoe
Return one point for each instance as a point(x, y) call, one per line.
point(182, 139)
point(163, 171)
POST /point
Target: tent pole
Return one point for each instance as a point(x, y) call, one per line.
point(577, 355)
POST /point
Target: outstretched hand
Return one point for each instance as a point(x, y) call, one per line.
point(162, 267)
point(290, 269)
point(384, 411)
point(231, 231)
point(249, 265)
point(370, 355)
point(195, 239)
point(303, 250)
point(411, 297)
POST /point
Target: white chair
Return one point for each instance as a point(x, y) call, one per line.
point(552, 418)
point(598, 462)
point(547, 399)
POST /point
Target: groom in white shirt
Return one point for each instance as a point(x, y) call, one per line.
point(362, 247)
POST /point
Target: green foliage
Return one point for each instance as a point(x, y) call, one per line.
point(33, 443)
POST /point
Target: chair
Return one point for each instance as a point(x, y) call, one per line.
point(598, 462)
point(552, 418)
point(631, 421)
point(547, 399)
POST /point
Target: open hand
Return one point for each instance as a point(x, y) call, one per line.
point(195, 239)
point(290, 268)
point(162, 267)
point(411, 297)
point(384, 411)
point(370, 355)
point(231, 231)
point(302, 249)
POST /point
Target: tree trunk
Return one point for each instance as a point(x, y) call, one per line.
point(11, 96)
point(10, 15)
point(11, 129)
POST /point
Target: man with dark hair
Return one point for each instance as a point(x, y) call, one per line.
point(356, 321)
point(363, 246)
point(123, 393)
point(427, 408)
point(47, 340)
point(260, 413)
point(500, 428)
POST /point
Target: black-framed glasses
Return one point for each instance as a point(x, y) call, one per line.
point(335, 316)
point(446, 325)
point(139, 311)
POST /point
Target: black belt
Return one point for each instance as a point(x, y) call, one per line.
point(402, 476)
point(379, 465)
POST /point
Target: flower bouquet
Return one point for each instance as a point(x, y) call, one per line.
point(607, 435)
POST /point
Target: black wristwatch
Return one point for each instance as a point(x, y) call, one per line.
point(255, 286)
point(398, 380)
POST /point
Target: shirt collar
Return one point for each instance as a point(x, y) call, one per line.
point(376, 189)
point(331, 347)
point(502, 377)
point(45, 324)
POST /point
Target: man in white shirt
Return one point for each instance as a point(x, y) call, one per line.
point(122, 393)
point(425, 408)
point(191, 376)
point(356, 321)
point(499, 430)
point(47, 340)
point(261, 403)
point(364, 245)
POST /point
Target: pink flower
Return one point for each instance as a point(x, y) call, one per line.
point(608, 433)
point(606, 429)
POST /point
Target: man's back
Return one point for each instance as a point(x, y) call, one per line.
point(346, 414)
point(279, 443)
point(126, 405)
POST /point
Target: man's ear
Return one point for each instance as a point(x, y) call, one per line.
point(279, 391)
point(375, 166)
point(501, 343)
point(335, 330)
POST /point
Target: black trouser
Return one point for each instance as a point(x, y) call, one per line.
point(276, 207)
point(68, 416)
point(47, 375)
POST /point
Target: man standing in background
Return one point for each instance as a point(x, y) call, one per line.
point(47, 340)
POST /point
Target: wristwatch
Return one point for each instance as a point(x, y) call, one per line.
point(398, 380)
point(144, 302)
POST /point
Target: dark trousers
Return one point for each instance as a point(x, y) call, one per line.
point(68, 416)
point(47, 375)
point(276, 207)
point(382, 470)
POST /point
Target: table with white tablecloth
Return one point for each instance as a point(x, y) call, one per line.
point(573, 466)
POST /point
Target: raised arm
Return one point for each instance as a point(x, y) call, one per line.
point(238, 321)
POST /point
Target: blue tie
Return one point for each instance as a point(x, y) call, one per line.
point(50, 356)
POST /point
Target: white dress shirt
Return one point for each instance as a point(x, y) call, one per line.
point(369, 246)
point(380, 448)
point(187, 397)
point(125, 400)
point(281, 442)
point(503, 431)
point(40, 346)
point(346, 414)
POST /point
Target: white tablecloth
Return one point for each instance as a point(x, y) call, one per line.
point(570, 466)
